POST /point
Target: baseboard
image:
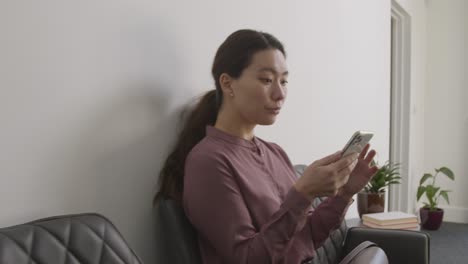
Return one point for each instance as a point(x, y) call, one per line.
point(455, 214)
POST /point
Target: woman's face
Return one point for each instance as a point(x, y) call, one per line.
point(260, 91)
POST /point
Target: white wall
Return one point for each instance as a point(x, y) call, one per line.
point(446, 116)
point(90, 91)
point(340, 80)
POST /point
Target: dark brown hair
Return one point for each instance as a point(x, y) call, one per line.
point(233, 56)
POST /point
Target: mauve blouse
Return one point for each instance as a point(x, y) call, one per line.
point(239, 196)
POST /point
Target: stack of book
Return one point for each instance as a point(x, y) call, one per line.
point(391, 220)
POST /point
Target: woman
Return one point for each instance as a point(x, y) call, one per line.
point(239, 191)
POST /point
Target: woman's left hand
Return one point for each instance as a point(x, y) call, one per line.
point(361, 174)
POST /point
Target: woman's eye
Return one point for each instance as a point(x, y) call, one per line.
point(266, 80)
point(284, 82)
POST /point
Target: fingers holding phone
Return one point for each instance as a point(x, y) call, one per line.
point(326, 176)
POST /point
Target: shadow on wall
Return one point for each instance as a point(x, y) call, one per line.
point(121, 153)
point(120, 150)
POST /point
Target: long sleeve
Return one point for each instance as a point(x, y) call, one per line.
point(215, 206)
point(326, 218)
point(323, 219)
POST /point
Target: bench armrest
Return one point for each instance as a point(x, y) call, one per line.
point(401, 246)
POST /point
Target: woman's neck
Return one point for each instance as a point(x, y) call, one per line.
point(233, 125)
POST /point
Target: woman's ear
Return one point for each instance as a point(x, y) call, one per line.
point(226, 84)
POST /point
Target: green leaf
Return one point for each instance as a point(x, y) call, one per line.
point(447, 172)
point(421, 191)
point(424, 178)
point(381, 182)
point(393, 176)
point(382, 178)
point(429, 191)
point(445, 196)
point(393, 182)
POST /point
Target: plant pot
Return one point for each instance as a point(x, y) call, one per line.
point(370, 202)
point(431, 220)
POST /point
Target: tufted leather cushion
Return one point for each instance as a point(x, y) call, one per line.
point(331, 250)
point(71, 239)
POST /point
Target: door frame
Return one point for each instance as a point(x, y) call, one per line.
point(399, 194)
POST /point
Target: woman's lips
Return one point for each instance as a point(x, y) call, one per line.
point(274, 110)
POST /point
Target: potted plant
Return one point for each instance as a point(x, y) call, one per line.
point(431, 215)
point(372, 198)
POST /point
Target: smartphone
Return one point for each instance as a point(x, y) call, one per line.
point(357, 142)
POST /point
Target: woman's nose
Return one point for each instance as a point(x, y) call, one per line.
point(279, 91)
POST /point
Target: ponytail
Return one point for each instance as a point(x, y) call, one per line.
point(171, 177)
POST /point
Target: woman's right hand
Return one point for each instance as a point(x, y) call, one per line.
point(326, 176)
